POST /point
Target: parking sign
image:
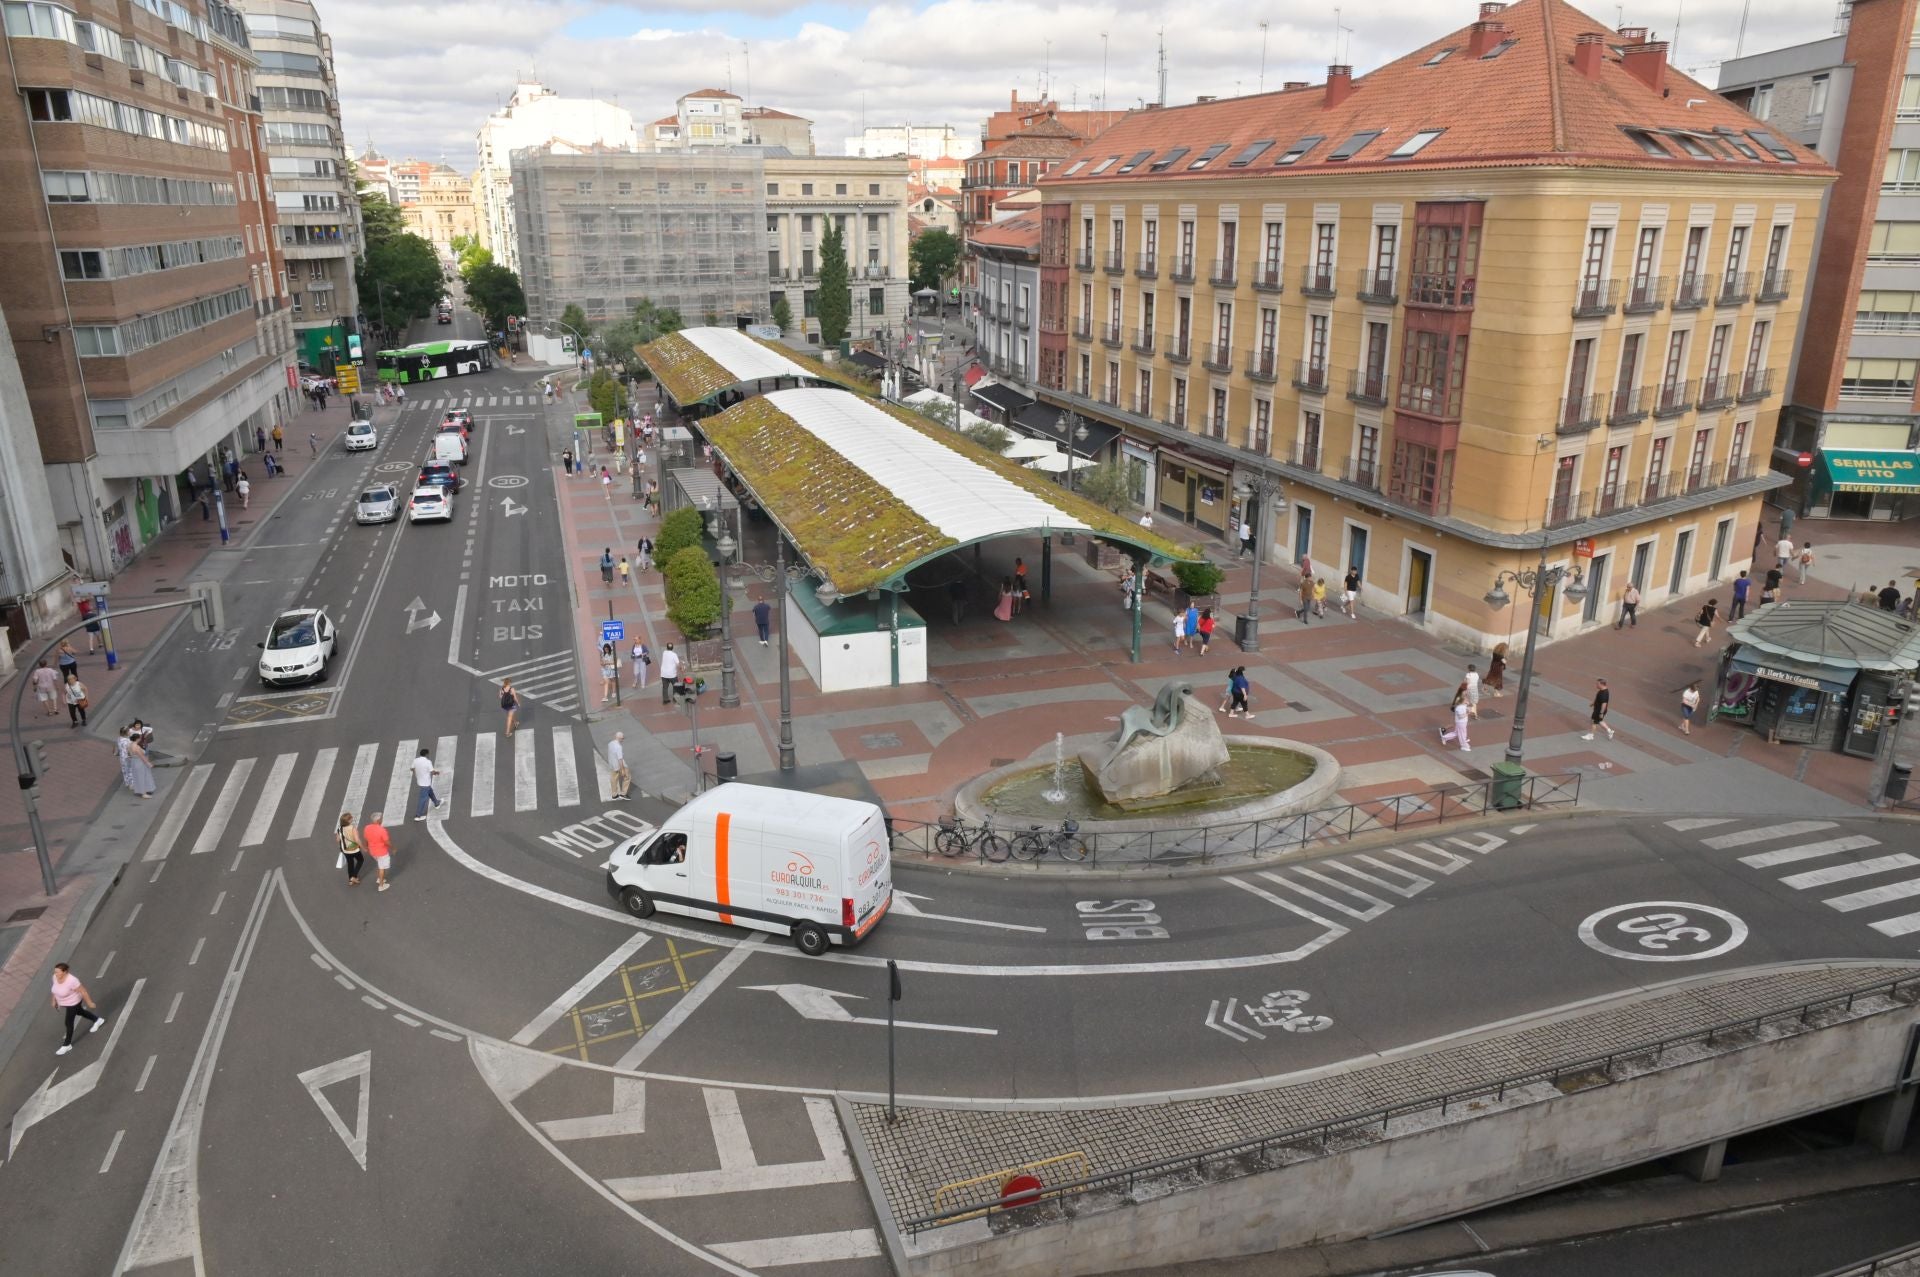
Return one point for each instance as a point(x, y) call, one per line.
point(612, 631)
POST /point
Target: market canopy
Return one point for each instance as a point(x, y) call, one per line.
point(1859, 470)
point(867, 492)
point(1834, 635)
point(696, 364)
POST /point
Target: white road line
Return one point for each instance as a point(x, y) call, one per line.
point(217, 902)
point(156, 873)
point(223, 806)
point(307, 814)
point(566, 777)
point(53, 1096)
point(145, 1073)
point(1808, 851)
point(806, 1248)
point(1904, 925)
point(602, 777)
point(480, 783)
point(1698, 822)
point(1791, 829)
point(730, 1139)
point(526, 789)
point(269, 804)
point(100, 972)
point(446, 750)
point(176, 818)
point(833, 1166)
point(400, 781)
point(1374, 906)
point(236, 859)
point(173, 1008)
point(194, 961)
point(131, 915)
point(358, 781)
point(1852, 869)
point(1875, 896)
point(579, 989)
point(629, 1116)
point(687, 1004)
point(107, 1164)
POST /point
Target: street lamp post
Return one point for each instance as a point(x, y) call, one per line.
point(1535, 582)
point(782, 576)
point(1266, 489)
point(1073, 430)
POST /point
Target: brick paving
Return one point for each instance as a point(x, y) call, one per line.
point(930, 1147)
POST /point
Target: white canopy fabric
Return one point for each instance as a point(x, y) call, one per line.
point(1056, 463)
point(1023, 448)
point(742, 356)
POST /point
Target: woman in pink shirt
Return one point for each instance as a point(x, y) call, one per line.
point(69, 995)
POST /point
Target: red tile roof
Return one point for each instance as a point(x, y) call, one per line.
point(713, 93)
point(768, 113)
point(1021, 233)
point(1525, 105)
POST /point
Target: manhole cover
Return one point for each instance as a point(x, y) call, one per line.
point(26, 915)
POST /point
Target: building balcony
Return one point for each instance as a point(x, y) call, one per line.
point(1110, 335)
point(1645, 295)
point(1263, 365)
point(1050, 323)
point(1176, 418)
point(1878, 391)
point(1608, 500)
point(1181, 271)
point(1361, 473)
point(1110, 395)
point(1267, 278)
point(1217, 357)
point(1735, 289)
point(1083, 329)
point(1180, 350)
point(1224, 275)
point(1596, 298)
point(1114, 263)
point(874, 270)
point(1775, 285)
point(1629, 406)
point(1213, 427)
point(1022, 317)
point(1429, 401)
point(1141, 406)
point(1082, 389)
point(1441, 292)
point(1717, 391)
point(1318, 281)
point(1142, 343)
point(1375, 285)
point(1083, 261)
point(1148, 267)
point(1755, 386)
point(1369, 388)
point(1303, 453)
point(1692, 291)
point(988, 310)
point(1310, 376)
point(1673, 398)
point(1579, 414)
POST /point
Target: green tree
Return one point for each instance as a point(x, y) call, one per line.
point(835, 305)
point(678, 530)
point(933, 257)
point(1201, 579)
point(576, 319)
point(379, 220)
point(648, 323)
point(693, 592)
point(469, 256)
point(607, 395)
point(989, 436)
point(494, 291)
point(400, 279)
point(783, 313)
point(935, 410)
point(1106, 484)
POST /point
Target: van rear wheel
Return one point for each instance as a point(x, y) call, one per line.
point(810, 940)
point(637, 902)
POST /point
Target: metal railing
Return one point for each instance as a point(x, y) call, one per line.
point(1580, 413)
point(1645, 294)
point(1110, 334)
point(1217, 357)
point(1318, 281)
point(1755, 386)
point(1367, 387)
point(1310, 376)
point(1890, 1263)
point(1181, 271)
point(1115, 263)
point(1276, 1150)
point(1149, 266)
point(1225, 272)
point(1595, 297)
point(1263, 364)
point(1142, 341)
point(1161, 848)
point(1266, 279)
point(1375, 284)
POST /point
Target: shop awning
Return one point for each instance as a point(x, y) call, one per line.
point(1002, 396)
point(1784, 669)
point(1043, 422)
point(1858, 470)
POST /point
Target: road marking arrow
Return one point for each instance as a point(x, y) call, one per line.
point(815, 1003)
point(413, 616)
point(1223, 1022)
point(50, 1099)
point(903, 903)
point(353, 1066)
point(509, 509)
point(516, 430)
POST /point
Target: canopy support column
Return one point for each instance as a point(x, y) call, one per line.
point(1139, 596)
point(1046, 567)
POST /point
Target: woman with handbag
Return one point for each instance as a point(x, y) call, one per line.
point(351, 856)
point(76, 701)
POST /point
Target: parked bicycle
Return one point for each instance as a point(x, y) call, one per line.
point(955, 839)
point(1064, 842)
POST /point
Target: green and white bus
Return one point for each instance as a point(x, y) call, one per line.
point(432, 360)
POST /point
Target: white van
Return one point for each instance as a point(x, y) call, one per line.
point(450, 447)
point(806, 865)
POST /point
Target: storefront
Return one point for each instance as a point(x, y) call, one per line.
point(1858, 483)
point(1825, 674)
point(1195, 490)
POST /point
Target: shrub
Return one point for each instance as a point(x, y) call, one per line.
point(678, 530)
point(693, 592)
point(994, 439)
point(1201, 580)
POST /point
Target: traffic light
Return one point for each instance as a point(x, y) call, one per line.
point(209, 613)
point(37, 753)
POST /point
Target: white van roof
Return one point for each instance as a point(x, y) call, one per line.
point(823, 811)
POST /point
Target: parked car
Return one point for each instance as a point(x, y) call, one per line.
point(430, 504)
point(298, 646)
point(378, 504)
point(438, 474)
point(361, 436)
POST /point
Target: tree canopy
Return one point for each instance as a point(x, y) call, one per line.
point(576, 319)
point(468, 255)
point(647, 323)
point(400, 279)
point(933, 257)
point(495, 292)
point(835, 300)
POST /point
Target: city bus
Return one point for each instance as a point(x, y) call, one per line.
point(431, 360)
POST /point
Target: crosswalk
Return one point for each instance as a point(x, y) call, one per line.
point(552, 680)
point(1825, 862)
point(475, 403)
point(1339, 892)
point(298, 795)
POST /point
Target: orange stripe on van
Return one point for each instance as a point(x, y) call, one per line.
point(722, 884)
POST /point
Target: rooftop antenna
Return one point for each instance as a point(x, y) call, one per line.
point(1163, 66)
point(1337, 29)
point(1046, 69)
point(746, 58)
point(729, 70)
point(1263, 57)
point(1103, 70)
point(1673, 46)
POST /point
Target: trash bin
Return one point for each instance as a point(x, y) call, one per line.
point(1509, 786)
point(1897, 778)
point(1242, 627)
point(725, 766)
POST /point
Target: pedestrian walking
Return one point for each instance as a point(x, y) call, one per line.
point(1003, 610)
point(71, 997)
point(46, 689)
point(246, 491)
point(1602, 701)
point(1237, 690)
point(625, 570)
point(84, 607)
point(1495, 684)
point(1246, 537)
point(230, 474)
point(313, 440)
point(641, 659)
point(423, 773)
point(763, 619)
point(1020, 595)
point(1320, 597)
point(1629, 607)
point(1472, 685)
point(1804, 561)
point(617, 767)
point(669, 671)
point(380, 846)
point(1890, 597)
point(1128, 583)
point(1205, 626)
point(1742, 587)
point(1783, 551)
point(279, 439)
point(77, 701)
point(1459, 730)
point(566, 461)
point(139, 763)
point(1689, 702)
point(606, 479)
point(351, 856)
point(510, 702)
point(609, 672)
point(606, 566)
point(1304, 612)
point(67, 659)
point(1770, 595)
point(259, 439)
point(1350, 592)
point(645, 551)
point(272, 466)
point(1705, 620)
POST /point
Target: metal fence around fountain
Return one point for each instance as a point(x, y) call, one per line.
point(1168, 848)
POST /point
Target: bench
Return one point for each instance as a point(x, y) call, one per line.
point(1160, 581)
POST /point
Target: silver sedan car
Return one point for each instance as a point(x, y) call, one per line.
point(378, 504)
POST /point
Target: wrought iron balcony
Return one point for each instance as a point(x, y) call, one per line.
point(1645, 294)
point(1263, 365)
point(1267, 279)
point(1595, 298)
point(1083, 261)
point(1309, 376)
point(1717, 391)
point(1181, 272)
point(1361, 473)
point(1367, 387)
point(1318, 281)
point(1630, 406)
point(1110, 335)
point(1579, 414)
point(1214, 427)
point(1692, 291)
point(1775, 285)
point(1376, 285)
point(1673, 398)
point(1022, 318)
point(1736, 289)
point(1083, 328)
point(1142, 342)
point(1115, 264)
point(1755, 386)
point(1217, 357)
point(1180, 349)
point(1148, 267)
point(1224, 274)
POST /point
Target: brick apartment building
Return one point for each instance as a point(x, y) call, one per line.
point(1526, 287)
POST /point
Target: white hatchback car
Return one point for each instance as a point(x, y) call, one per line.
point(378, 504)
point(430, 503)
point(299, 645)
point(361, 436)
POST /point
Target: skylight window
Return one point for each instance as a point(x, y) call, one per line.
point(1293, 153)
point(1772, 146)
point(1692, 146)
point(1497, 50)
point(1104, 165)
point(1167, 161)
point(1139, 158)
point(1354, 145)
point(1439, 57)
point(1251, 152)
point(1207, 156)
point(1735, 141)
point(1415, 144)
point(1648, 143)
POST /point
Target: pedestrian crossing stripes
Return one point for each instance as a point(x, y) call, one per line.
point(1334, 894)
point(541, 770)
point(1844, 868)
point(476, 403)
point(552, 680)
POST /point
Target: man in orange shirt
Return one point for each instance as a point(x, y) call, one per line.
point(374, 838)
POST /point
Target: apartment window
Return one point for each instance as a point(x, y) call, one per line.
point(1186, 246)
point(1310, 440)
point(1817, 97)
point(1432, 369)
point(873, 188)
point(1149, 242)
point(773, 188)
point(810, 304)
point(583, 188)
point(1657, 464)
point(1323, 249)
point(1118, 243)
point(806, 223)
point(1902, 172)
point(1676, 369)
point(1271, 252)
point(1878, 379)
point(1229, 248)
point(1909, 106)
point(1112, 395)
point(1386, 249)
point(806, 261)
point(1182, 322)
point(1894, 242)
point(1179, 414)
point(1717, 352)
point(1610, 476)
point(1317, 343)
point(1143, 397)
point(1696, 252)
point(1579, 368)
point(1146, 313)
point(1776, 251)
point(1376, 366)
point(1887, 311)
point(1366, 455)
point(876, 301)
point(625, 188)
point(1085, 384)
point(1217, 425)
point(806, 188)
point(1262, 426)
point(773, 263)
point(1086, 239)
point(1737, 451)
point(1736, 252)
point(1762, 105)
point(1628, 379)
point(1594, 269)
point(1223, 325)
point(1702, 453)
point(1269, 331)
point(839, 188)
point(1113, 308)
point(82, 263)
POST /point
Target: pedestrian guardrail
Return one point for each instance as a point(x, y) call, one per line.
point(1904, 1262)
point(1278, 1149)
point(1200, 845)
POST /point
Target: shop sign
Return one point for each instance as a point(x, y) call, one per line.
point(1583, 548)
point(1782, 676)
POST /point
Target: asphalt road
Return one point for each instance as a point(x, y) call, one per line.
point(490, 1069)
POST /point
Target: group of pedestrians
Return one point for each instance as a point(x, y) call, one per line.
point(355, 846)
point(1193, 627)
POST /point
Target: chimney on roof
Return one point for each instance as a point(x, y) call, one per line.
point(1339, 83)
point(1633, 35)
point(1589, 51)
point(1483, 35)
point(1489, 8)
point(1647, 63)
point(1291, 85)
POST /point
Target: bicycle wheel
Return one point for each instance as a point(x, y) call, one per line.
point(1027, 846)
point(950, 842)
point(1070, 847)
point(993, 847)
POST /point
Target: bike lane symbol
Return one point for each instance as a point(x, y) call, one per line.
point(1663, 931)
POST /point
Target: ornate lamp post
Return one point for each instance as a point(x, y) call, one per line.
point(782, 574)
point(1073, 430)
point(1534, 581)
point(1264, 488)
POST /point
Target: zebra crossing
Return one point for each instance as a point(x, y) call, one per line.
point(552, 680)
point(1339, 892)
point(475, 403)
point(1846, 871)
point(483, 775)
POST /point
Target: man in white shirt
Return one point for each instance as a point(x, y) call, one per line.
point(617, 765)
point(1783, 553)
point(669, 671)
point(423, 773)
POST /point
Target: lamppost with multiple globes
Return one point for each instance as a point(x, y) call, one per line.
point(782, 575)
point(1536, 582)
point(1265, 489)
point(1073, 430)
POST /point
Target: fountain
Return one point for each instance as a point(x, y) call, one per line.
point(1058, 794)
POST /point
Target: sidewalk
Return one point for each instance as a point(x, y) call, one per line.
point(93, 824)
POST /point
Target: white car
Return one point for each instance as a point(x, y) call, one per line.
point(378, 504)
point(299, 645)
point(361, 436)
point(430, 503)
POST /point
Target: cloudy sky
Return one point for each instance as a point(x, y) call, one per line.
point(418, 77)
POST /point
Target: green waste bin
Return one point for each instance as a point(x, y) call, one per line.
point(1509, 786)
